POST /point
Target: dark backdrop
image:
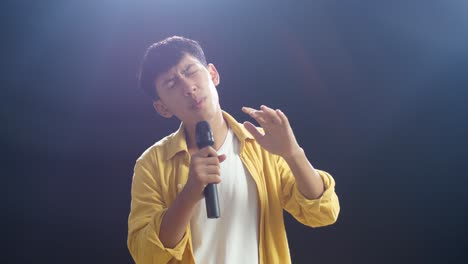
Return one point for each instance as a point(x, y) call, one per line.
point(374, 90)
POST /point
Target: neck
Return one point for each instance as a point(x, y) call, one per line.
point(218, 127)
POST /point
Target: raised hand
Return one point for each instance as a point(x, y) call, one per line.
point(278, 137)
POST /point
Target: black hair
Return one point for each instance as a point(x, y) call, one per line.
point(162, 56)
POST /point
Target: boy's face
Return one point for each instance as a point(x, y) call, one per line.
point(188, 91)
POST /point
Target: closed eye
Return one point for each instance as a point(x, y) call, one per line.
point(170, 83)
point(190, 70)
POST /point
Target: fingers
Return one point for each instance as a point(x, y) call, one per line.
point(253, 130)
point(207, 151)
point(271, 114)
point(212, 169)
point(205, 166)
point(213, 174)
point(283, 117)
point(255, 114)
point(266, 116)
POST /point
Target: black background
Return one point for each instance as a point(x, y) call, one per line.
point(375, 92)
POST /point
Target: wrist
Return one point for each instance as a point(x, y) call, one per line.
point(294, 155)
point(191, 194)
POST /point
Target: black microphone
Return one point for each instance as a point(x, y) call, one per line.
point(204, 137)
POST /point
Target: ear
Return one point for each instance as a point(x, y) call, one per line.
point(162, 109)
point(214, 74)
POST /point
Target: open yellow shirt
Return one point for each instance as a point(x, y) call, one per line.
point(162, 170)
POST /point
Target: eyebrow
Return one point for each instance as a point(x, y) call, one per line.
point(187, 68)
point(173, 77)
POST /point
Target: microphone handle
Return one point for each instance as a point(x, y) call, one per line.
point(212, 201)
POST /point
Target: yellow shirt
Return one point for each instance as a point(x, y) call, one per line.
point(161, 173)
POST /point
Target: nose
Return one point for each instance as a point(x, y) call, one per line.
point(189, 88)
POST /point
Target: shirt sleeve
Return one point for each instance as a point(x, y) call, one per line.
point(311, 212)
point(144, 222)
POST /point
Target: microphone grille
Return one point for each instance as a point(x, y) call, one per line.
point(203, 134)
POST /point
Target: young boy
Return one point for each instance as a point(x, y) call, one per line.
point(257, 171)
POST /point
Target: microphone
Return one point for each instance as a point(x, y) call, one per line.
point(204, 137)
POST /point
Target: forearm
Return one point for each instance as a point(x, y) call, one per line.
point(308, 180)
point(176, 219)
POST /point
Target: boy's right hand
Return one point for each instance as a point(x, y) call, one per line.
point(204, 169)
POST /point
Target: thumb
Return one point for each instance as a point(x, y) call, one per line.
point(222, 158)
point(253, 130)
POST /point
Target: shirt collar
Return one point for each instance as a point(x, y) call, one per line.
point(177, 141)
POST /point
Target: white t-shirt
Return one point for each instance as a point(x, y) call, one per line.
point(232, 238)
